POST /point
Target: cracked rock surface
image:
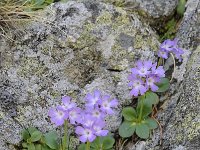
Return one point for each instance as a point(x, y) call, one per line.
point(79, 46)
point(75, 48)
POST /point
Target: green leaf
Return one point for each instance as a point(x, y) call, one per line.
point(38, 147)
point(64, 1)
point(108, 142)
point(39, 2)
point(97, 143)
point(51, 139)
point(29, 140)
point(142, 130)
point(31, 146)
point(82, 147)
point(24, 145)
point(25, 134)
point(103, 143)
point(147, 109)
point(151, 98)
point(45, 147)
point(163, 85)
point(127, 129)
point(49, 1)
point(181, 7)
point(129, 114)
point(36, 136)
point(32, 129)
point(151, 123)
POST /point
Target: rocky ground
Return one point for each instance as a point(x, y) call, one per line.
point(79, 46)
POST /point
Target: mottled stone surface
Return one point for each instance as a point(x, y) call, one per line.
point(189, 31)
point(157, 8)
point(75, 48)
point(149, 8)
point(183, 128)
point(180, 116)
point(183, 125)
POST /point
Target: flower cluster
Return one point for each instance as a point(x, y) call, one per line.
point(170, 46)
point(90, 121)
point(144, 77)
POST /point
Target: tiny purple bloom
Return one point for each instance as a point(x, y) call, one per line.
point(138, 87)
point(57, 116)
point(97, 114)
point(98, 126)
point(87, 120)
point(142, 68)
point(159, 72)
point(151, 83)
point(86, 134)
point(92, 99)
point(67, 104)
point(107, 105)
point(178, 53)
point(74, 115)
point(168, 45)
point(163, 54)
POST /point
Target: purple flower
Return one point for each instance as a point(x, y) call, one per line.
point(150, 82)
point(74, 115)
point(141, 81)
point(138, 87)
point(163, 54)
point(168, 45)
point(67, 104)
point(98, 126)
point(178, 53)
point(57, 116)
point(92, 99)
point(142, 68)
point(86, 134)
point(87, 120)
point(97, 114)
point(90, 121)
point(106, 105)
point(159, 71)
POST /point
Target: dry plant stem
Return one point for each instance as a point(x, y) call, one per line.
point(10, 20)
point(122, 145)
point(161, 135)
point(174, 65)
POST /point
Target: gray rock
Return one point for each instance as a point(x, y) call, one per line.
point(149, 8)
point(182, 127)
point(189, 31)
point(180, 117)
point(72, 49)
point(140, 145)
point(157, 8)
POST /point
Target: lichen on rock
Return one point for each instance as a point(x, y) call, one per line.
point(75, 48)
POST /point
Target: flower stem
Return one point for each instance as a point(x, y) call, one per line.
point(159, 62)
point(88, 145)
point(141, 109)
point(65, 136)
point(174, 66)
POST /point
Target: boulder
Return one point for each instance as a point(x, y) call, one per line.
point(71, 49)
point(180, 117)
point(154, 11)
